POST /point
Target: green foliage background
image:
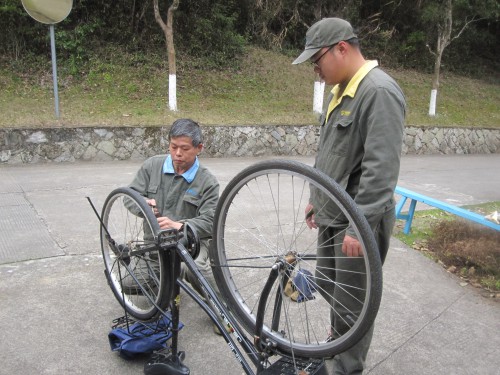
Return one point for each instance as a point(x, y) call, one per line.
point(213, 33)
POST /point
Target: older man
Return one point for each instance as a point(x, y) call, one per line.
point(181, 190)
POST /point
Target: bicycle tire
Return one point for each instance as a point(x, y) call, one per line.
point(136, 270)
point(260, 218)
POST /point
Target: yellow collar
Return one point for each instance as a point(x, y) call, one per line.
point(352, 86)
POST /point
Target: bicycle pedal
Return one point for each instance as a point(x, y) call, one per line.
point(304, 366)
point(166, 364)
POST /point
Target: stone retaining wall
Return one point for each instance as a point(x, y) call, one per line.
point(121, 143)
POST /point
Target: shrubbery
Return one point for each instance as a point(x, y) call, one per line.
point(212, 33)
point(462, 244)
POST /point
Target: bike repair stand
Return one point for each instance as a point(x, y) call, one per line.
point(170, 363)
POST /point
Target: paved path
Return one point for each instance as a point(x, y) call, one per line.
point(56, 309)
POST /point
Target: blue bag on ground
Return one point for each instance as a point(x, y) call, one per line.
point(140, 337)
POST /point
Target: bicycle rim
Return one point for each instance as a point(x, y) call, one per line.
point(135, 269)
point(323, 301)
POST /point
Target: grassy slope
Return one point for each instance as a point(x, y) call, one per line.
point(267, 90)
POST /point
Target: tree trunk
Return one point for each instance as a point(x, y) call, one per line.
point(435, 81)
point(169, 38)
point(443, 40)
point(169, 34)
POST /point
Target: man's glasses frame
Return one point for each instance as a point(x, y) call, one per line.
point(315, 62)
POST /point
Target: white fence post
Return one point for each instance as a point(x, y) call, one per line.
point(172, 92)
point(319, 91)
point(432, 105)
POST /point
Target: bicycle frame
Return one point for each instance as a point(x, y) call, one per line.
point(179, 254)
point(236, 337)
point(235, 328)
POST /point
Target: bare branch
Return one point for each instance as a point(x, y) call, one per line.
point(467, 23)
point(430, 49)
point(158, 18)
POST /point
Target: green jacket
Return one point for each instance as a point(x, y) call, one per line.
point(360, 144)
point(177, 199)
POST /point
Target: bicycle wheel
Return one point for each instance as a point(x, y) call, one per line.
point(136, 270)
point(323, 301)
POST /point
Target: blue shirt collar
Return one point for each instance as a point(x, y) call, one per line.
point(168, 167)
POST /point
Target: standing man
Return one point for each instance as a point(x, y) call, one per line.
point(360, 148)
point(180, 190)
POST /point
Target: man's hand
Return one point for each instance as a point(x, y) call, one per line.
point(163, 221)
point(152, 204)
point(167, 223)
point(310, 217)
point(351, 247)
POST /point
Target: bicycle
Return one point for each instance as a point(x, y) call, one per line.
point(280, 296)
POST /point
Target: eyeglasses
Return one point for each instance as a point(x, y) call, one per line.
point(315, 62)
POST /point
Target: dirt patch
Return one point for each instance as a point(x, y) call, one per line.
point(470, 251)
point(462, 244)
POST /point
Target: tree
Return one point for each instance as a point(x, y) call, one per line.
point(446, 30)
point(168, 30)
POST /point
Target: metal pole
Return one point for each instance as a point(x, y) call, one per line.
point(54, 68)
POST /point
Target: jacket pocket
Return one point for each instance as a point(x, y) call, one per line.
point(191, 199)
point(341, 136)
point(152, 189)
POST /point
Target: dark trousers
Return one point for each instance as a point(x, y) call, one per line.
point(347, 292)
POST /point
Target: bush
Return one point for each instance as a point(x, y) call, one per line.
point(462, 244)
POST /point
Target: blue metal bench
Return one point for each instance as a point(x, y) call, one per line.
point(416, 197)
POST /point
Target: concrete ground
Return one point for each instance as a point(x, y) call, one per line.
point(56, 308)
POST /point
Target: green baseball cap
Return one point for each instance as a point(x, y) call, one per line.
point(325, 33)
